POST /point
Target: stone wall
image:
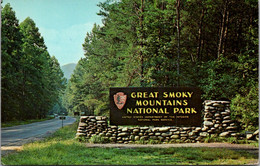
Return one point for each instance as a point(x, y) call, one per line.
point(216, 122)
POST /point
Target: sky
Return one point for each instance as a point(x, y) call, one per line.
point(62, 23)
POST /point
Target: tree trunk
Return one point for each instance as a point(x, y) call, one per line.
point(225, 34)
point(223, 29)
point(141, 43)
point(178, 40)
point(200, 41)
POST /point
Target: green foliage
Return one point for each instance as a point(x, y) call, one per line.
point(97, 139)
point(152, 141)
point(245, 109)
point(209, 139)
point(220, 81)
point(141, 141)
point(82, 139)
point(31, 79)
point(138, 46)
point(11, 77)
point(232, 140)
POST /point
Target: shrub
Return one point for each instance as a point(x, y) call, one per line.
point(97, 139)
point(245, 109)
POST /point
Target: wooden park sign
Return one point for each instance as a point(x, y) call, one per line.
point(155, 106)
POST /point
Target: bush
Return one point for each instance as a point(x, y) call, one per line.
point(217, 80)
point(245, 109)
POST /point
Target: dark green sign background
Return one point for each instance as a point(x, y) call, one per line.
point(156, 106)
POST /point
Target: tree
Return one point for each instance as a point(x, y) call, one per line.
point(11, 64)
point(32, 80)
point(146, 43)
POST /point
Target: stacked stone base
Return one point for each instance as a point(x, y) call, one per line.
point(217, 119)
point(216, 122)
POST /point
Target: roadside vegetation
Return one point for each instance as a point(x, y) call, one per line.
point(22, 122)
point(31, 79)
point(63, 149)
point(212, 45)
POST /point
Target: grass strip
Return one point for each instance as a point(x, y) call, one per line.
point(62, 149)
point(16, 123)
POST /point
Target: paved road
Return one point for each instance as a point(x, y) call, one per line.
point(18, 135)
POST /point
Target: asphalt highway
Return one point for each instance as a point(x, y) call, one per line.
point(18, 135)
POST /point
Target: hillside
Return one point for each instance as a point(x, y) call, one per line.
point(68, 69)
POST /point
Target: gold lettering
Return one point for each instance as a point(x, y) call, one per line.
point(133, 95)
point(129, 111)
point(172, 95)
point(160, 111)
point(165, 111)
point(156, 94)
point(178, 102)
point(169, 103)
point(184, 111)
point(151, 102)
point(158, 102)
point(148, 110)
point(178, 94)
point(165, 94)
point(193, 111)
point(155, 110)
point(139, 94)
point(184, 94)
point(136, 111)
point(145, 103)
point(187, 110)
point(145, 95)
point(164, 102)
point(190, 94)
point(151, 95)
point(185, 102)
point(139, 102)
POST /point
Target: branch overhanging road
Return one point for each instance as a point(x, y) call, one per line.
point(18, 135)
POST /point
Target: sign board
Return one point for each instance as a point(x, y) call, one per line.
point(155, 106)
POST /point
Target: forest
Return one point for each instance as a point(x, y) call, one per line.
point(31, 80)
point(210, 44)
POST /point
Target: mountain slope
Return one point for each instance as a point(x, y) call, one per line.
point(68, 69)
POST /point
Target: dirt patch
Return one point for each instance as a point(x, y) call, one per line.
point(210, 145)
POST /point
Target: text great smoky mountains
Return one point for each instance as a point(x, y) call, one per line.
point(159, 104)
